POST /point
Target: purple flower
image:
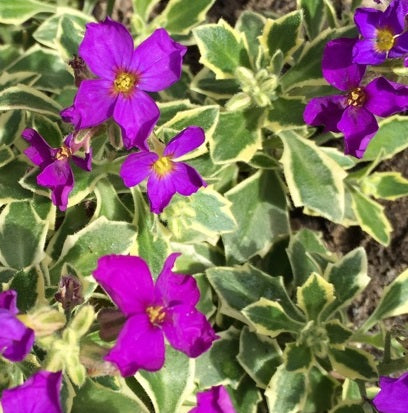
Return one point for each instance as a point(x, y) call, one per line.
point(214, 400)
point(382, 33)
point(16, 340)
point(124, 75)
point(152, 312)
point(56, 171)
point(352, 112)
point(39, 394)
point(393, 396)
point(165, 175)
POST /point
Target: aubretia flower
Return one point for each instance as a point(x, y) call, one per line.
point(56, 171)
point(352, 112)
point(152, 311)
point(124, 74)
point(165, 174)
point(16, 340)
point(214, 400)
point(382, 33)
point(39, 394)
point(393, 396)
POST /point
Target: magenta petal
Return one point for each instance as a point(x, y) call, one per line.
point(93, 103)
point(127, 280)
point(358, 126)
point(214, 400)
point(140, 345)
point(186, 180)
point(160, 190)
point(394, 16)
point(70, 115)
point(106, 47)
point(367, 20)
point(392, 397)
point(16, 340)
point(39, 152)
point(137, 167)
point(385, 98)
point(175, 289)
point(338, 67)
point(364, 53)
point(184, 142)
point(137, 116)
point(326, 110)
point(8, 301)
point(83, 163)
point(39, 394)
point(400, 47)
point(158, 60)
point(188, 330)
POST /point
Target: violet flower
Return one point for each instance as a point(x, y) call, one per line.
point(16, 340)
point(39, 394)
point(352, 112)
point(382, 33)
point(152, 311)
point(124, 75)
point(56, 171)
point(165, 175)
point(392, 397)
point(214, 400)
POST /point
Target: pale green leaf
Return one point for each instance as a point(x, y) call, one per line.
point(18, 11)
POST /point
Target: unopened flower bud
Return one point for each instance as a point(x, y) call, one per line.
point(69, 292)
point(81, 71)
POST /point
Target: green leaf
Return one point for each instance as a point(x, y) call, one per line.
point(48, 129)
point(338, 334)
point(205, 83)
point(269, 318)
point(25, 283)
point(261, 215)
point(394, 301)
point(391, 138)
point(309, 173)
point(348, 407)
point(222, 48)
point(313, 16)
point(385, 185)
point(10, 190)
point(28, 98)
point(260, 356)
point(180, 16)
point(8, 53)
point(245, 397)
point(353, 363)
point(314, 295)
point(144, 7)
point(168, 110)
point(349, 277)
point(241, 145)
point(371, 217)
point(168, 387)
point(12, 124)
point(285, 114)
point(93, 397)
point(282, 34)
point(68, 37)
point(22, 235)
point(297, 357)
point(219, 364)
point(286, 391)
point(18, 11)
point(6, 155)
point(239, 287)
point(204, 216)
point(99, 238)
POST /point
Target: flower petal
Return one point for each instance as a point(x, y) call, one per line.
point(160, 190)
point(385, 98)
point(140, 345)
point(188, 330)
point(158, 60)
point(358, 126)
point(367, 20)
point(392, 397)
point(186, 180)
point(137, 116)
point(365, 53)
point(184, 142)
point(84, 163)
point(8, 301)
point(400, 47)
point(137, 167)
point(39, 394)
point(394, 16)
point(107, 46)
point(70, 115)
point(93, 104)
point(175, 289)
point(127, 280)
point(40, 153)
point(16, 340)
point(337, 65)
point(214, 400)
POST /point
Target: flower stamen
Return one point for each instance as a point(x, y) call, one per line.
point(356, 97)
point(156, 314)
point(163, 166)
point(385, 40)
point(63, 153)
point(124, 83)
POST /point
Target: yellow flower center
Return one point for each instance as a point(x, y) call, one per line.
point(356, 97)
point(385, 40)
point(63, 153)
point(163, 166)
point(156, 314)
point(124, 82)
